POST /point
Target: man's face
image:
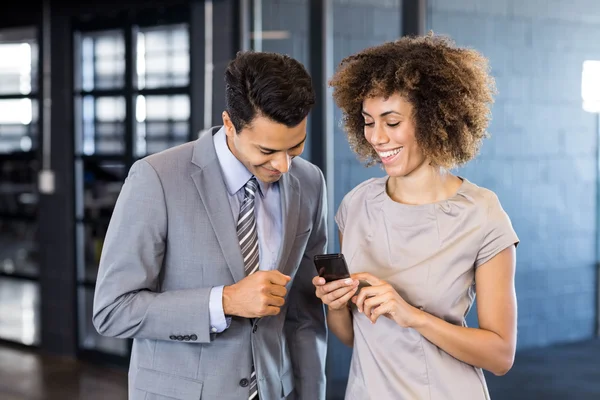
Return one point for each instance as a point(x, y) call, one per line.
point(266, 148)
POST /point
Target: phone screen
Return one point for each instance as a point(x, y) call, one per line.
point(331, 266)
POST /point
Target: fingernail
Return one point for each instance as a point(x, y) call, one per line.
point(359, 310)
point(348, 281)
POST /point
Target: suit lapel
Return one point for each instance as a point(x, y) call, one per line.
point(290, 207)
point(211, 187)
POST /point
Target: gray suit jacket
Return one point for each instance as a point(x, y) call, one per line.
point(171, 238)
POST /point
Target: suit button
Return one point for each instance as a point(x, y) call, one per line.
point(173, 337)
point(255, 328)
point(186, 338)
point(179, 337)
point(244, 382)
point(193, 337)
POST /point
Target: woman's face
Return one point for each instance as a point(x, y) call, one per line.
point(390, 129)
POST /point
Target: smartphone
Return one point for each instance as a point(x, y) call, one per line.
point(333, 267)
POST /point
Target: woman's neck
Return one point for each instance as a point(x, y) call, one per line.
point(425, 185)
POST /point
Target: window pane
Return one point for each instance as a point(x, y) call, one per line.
point(18, 208)
point(90, 239)
point(101, 128)
point(18, 61)
point(18, 247)
point(102, 60)
point(358, 24)
point(18, 125)
point(162, 122)
point(18, 190)
point(163, 56)
point(20, 311)
point(88, 337)
point(282, 27)
point(99, 184)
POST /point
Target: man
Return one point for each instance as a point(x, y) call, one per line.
point(207, 262)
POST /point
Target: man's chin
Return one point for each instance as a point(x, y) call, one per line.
point(269, 178)
point(267, 175)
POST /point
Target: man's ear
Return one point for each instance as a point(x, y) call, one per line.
point(229, 128)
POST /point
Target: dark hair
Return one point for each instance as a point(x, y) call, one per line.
point(449, 88)
point(272, 85)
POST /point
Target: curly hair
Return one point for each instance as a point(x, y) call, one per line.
point(449, 88)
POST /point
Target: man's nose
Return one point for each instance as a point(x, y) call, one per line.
point(282, 163)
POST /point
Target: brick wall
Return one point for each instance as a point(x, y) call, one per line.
point(541, 159)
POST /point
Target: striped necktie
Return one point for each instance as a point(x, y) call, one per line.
point(246, 230)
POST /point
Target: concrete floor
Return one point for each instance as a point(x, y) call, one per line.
point(26, 375)
point(557, 373)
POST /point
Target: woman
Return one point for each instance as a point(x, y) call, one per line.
point(425, 240)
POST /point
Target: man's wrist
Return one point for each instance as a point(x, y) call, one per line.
point(227, 296)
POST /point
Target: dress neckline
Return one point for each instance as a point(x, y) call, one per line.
point(457, 194)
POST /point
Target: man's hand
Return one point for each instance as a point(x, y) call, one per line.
point(258, 295)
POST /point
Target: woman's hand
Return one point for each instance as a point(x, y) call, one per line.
point(382, 299)
point(335, 294)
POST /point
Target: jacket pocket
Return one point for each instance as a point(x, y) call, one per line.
point(167, 385)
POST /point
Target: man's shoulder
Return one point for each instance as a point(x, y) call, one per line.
point(174, 158)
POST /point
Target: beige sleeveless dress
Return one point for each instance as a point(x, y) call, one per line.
point(429, 254)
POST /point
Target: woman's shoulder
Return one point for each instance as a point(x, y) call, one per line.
point(370, 187)
point(479, 195)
